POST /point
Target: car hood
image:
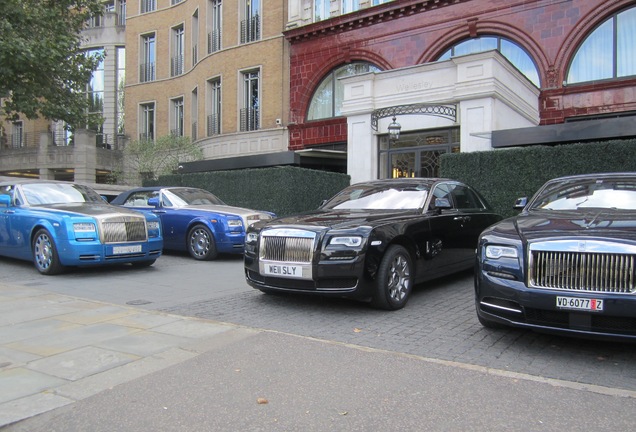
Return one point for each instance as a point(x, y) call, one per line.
point(87, 209)
point(344, 219)
point(225, 209)
point(609, 224)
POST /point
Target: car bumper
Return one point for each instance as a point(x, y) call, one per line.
point(339, 279)
point(95, 253)
point(512, 303)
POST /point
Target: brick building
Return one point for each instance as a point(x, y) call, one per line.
point(574, 77)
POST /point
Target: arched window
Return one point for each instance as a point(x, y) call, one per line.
point(327, 99)
point(607, 52)
point(510, 50)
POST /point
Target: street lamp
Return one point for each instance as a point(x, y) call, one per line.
point(394, 131)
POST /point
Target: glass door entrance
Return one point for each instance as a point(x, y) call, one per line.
point(416, 154)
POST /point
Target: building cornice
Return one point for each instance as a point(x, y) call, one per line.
point(365, 17)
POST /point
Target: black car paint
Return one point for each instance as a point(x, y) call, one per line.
point(506, 283)
point(440, 241)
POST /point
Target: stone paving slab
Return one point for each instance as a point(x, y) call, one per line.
point(57, 349)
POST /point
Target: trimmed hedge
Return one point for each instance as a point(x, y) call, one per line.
point(283, 190)
point(507, 174)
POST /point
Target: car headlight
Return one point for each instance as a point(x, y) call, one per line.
point(84, 227)
point(251, 237)
point(349, 241)
point(496, 252)
point(153, 225)
point(234, 223)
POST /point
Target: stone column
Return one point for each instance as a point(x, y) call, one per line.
point(43, 156)
point(85, 156)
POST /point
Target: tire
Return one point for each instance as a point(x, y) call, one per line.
point(394, 281)
point(45, 256)
point(200, 243)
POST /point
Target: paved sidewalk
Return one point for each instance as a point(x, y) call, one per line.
point(56, 349)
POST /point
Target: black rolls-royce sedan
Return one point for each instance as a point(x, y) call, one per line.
point(371, 241)
point(567, 263)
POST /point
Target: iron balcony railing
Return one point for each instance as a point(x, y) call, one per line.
point(214, 124)
point(146, 72)
point(251, 29)
point(249, 119)
point(214, 41)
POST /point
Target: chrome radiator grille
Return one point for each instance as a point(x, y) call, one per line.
point(579, 271)
point(122, 229)
point(287, 248)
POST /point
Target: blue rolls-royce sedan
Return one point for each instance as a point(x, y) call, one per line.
point(60, 224)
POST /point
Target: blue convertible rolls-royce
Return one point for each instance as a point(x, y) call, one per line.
point(60, 224)
point(567, 263)
point(194, 220)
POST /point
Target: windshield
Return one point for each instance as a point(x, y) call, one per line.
point(191, 196)
point(384, 197)
point(617, 194)
point(59, 193)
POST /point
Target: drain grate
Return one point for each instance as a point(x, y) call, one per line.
point(138, 302)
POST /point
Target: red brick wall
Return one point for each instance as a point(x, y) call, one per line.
point(409, 32)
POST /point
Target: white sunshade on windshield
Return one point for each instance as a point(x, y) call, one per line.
point(387, 199)
point(57, 193)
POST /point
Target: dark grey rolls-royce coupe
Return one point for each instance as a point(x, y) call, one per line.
point(567, 263)
point(371, 241)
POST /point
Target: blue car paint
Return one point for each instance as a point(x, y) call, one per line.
point(19, 224)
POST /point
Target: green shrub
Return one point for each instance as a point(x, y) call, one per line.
point(506, 174)
point(282, 190)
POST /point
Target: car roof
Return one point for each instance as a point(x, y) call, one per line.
point(595, 176)
point(406, 181)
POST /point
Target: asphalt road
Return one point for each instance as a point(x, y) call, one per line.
point(439, 323)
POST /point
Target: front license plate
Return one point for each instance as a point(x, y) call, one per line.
point(579, 303)
point(285, 270)
point(119, 250)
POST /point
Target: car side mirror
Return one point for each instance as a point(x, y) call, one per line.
point(5, 200)
point(520, 203)
point(442, 204)
point(154, 202)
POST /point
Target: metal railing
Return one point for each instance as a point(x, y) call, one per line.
point(214, 124)
point(249, 119)
point(176, 65)
point(146, 72)
point(214, 41)
point(250, 29)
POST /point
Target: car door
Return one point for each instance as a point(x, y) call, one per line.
point(6, 210)
point(15, 225)
point(448, 248)
point(475, 217)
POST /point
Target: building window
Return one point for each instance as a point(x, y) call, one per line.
point(214, 107)
point(174, 2)
point(608, 52)
point(95, 95)
point(148, 5)
point(350, 6)
point(17, 134)
point(147, 121)
point(327, 99)
point(377, 2)
point(195, 113)
point(251, 24)
point(121, 12)
point(195, 37)
point(321, 10)
point(510, 50)
point(148, 59)
point(214, 35)
point(178, 50)
point(176, 119)
point(121, 87)
point(249, 114)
